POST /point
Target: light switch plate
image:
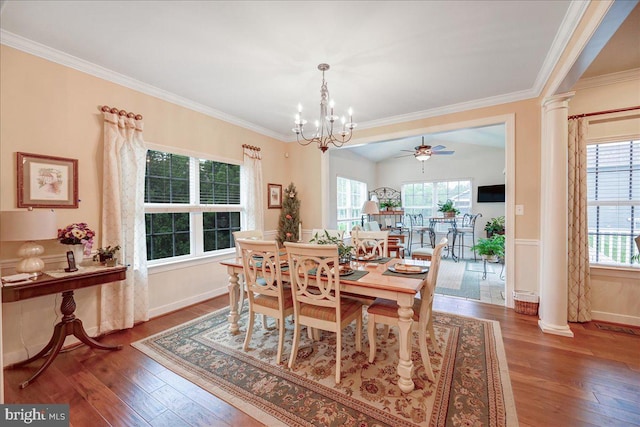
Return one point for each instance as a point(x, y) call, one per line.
point(519, 209)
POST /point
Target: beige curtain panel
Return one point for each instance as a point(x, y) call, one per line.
point(579, 307)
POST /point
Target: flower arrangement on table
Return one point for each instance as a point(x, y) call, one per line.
point(77, 234)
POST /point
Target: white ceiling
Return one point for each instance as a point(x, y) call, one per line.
point(252, 62)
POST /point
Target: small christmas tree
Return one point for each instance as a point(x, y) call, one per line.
point(289, 216)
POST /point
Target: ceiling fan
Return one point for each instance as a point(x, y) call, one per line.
point(424, 152)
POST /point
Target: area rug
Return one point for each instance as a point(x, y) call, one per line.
point(472, 386)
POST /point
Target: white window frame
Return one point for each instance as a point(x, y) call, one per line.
point(434, 190)
point(633, 203)
point(196, 231)
point(352, 219)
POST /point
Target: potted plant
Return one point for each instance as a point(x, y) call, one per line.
point(389, 205)
point(107, 255)
point(491, 248)
point(495, 226)
point(344, 250)
point(447, 209)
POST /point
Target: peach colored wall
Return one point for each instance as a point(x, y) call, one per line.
point(615, 292)
point(47, 108)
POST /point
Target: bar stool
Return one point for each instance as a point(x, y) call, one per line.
point(468, 227)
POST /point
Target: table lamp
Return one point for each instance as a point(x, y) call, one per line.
point(369, 208)
point(28, 226)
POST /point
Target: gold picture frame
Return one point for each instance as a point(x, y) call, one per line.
point(46, 181)
point(274, 196)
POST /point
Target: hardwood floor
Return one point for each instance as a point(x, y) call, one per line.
point(592, 379)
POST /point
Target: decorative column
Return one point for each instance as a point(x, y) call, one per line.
point(554, 208)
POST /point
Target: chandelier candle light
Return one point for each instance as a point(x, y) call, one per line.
point(324, 134)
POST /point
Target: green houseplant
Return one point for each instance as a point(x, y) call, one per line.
point(389, 204)
point(448, 209)
point(491, 248)
point(107, 255)
point(495, 226)
point(344, 250)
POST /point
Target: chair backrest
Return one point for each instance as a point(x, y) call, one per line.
point(246, 234)
point(313, 277)
point(372, 226)
point(469, 220)
point(322, 232)
point(432, 276)
point(261, 264)
point(375, 242)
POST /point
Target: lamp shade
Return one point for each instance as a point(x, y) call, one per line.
point(28, 225)
point(370, 207)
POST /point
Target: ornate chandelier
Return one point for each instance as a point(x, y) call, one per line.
point(324, 133)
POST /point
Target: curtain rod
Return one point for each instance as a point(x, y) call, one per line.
point(597, 113)
point(107, 109)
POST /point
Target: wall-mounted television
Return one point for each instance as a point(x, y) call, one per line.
point(491, 193)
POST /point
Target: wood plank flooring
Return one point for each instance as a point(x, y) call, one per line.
point(592, 379)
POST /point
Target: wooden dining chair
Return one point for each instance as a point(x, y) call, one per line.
point(371, 242)
point(267, 294)
point(385, 311)
point(244, 234)
point(317, 303)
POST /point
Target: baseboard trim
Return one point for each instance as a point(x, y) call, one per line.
point(622, 319)
point(177, 305)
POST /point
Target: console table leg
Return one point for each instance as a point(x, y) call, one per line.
point(59, 334)
point(81, 334)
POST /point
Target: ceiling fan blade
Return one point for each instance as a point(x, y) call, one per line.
point(406, 155)
point(437, 147)
point(408, 151)
point(442, 153)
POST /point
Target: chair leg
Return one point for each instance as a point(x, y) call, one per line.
point(371, 332)
point(294, 346)
point(247, 337)
point(359, 333)
point(432, 335)
point(424, 353)
point(264, 322)
point(338, 354)
point(385, 331)
point(280, 340)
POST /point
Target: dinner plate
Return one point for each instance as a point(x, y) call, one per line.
point(422, 270)
point(344, 272)
point(365, 258)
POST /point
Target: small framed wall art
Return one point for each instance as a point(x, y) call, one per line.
point(274, 196)
point(46, 181)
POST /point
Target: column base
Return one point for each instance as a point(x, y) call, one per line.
point(564, 331)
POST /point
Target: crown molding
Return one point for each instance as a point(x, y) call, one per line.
point(29, 46)
point(568, 26)
point(608, 79)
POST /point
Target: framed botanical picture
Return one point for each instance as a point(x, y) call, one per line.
point(47, 181)
point(274, 195)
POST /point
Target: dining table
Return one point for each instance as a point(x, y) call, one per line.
point(371, 278)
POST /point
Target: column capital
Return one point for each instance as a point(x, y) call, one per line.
point(555, 101)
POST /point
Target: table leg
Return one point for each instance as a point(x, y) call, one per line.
point(69, 325)
point(484, 268)
point(234, 296)
point(405, 364)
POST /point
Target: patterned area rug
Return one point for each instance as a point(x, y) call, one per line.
point(472, 385)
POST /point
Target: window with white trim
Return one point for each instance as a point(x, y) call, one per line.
point(192, 206)
point(613, 201)
point(424, 197)
point(351, 196)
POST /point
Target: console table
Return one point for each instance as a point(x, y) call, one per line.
point(70, 324)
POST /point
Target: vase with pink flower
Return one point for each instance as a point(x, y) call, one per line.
point(79, 239)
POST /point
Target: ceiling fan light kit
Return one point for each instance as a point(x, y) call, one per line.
point(324, 133)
